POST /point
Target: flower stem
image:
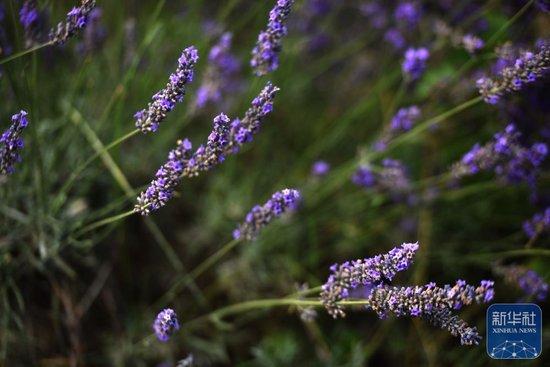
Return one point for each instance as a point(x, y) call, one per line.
point(23, 53)
point(103, 222)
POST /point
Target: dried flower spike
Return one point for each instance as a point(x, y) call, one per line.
point(260, 216)
point(265, 56)
point(164, 101)
point(166, 324)
point(11, 143)
point(76, 20)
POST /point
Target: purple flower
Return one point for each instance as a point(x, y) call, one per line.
point(165, 100)
point(471, 43)
point(182, 163)
point(525, 70)
point(243, 130)
point(415, 62)
point(320, 168)
point(76, 20)
point(370, 271)
point(391, 178)
point(394, 36)
point(265, 56)
point(407, 13)
point(221, 74)
point(11, 143)
point(375, 13)
point(33, 21)
point(531, 283)
point(506, 156)
point(94, 35)
point(364, 177)
point(538, 224)
point(166, 324)
point(260, 216)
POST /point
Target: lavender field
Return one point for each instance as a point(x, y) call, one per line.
point(271, 183)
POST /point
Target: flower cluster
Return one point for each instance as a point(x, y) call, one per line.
point(166, 324)
point(415, 62)
point(182, 163)
point(430, 302)
point(403, 121)
point(220, 76)
point(526, 69)
point(261, 216)
point(165, 100)
point(531, 283)
point(11, 142)
point(468, 41)
point(265, 56)
point(371, 271)
point(509, 159)
point(226, 139)
point(472, 43)
point(76, 20)
point(320, 168)
point(243, 130)
point(538, 224)
point(391, 178)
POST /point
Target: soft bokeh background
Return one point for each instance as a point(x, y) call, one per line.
point(92, 299)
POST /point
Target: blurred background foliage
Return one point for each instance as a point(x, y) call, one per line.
point(91, 300)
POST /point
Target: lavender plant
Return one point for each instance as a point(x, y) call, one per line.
point(506, 156)
point(76, 20)
point(221, 76)
point(166, 324)
point(531, 283)
point(528, 68)
point(260, 216)
point(403, 121)
point(538, 224)
point(430, 302)
point(165, 100)
point(11, 143)
point(265, 56)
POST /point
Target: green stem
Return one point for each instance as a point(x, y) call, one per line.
point(23, 53)
point(187, 279)
point(506, 25)
point(104, 222)
point(261, 304)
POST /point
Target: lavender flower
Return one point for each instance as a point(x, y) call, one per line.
point(165, 100)
point(76, 20)
point(370, 271)
point(509, 159)
point(261, 216)
point(403, 121)
point(33, 22)
point(415, 62)
point(391, 178)
point(94, 34)
point(394, 37)
point(526, 70)
point(11, 142)
point(265, 56)
point(430, 302)
point(538, 224)
point(166, 324)
point(375, 13)
point(320, 168)
point(182, 163)
point(531, 283)
point(225, 139)
point(407, 13)
point(243, 130)
point(221, 75)
point(472, 43)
